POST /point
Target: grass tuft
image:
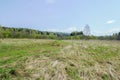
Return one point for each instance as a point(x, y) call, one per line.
point(34, 59)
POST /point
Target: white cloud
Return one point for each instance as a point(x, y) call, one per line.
point(98, 33)
point(52, 30)
point(68, 30)
point(50, 1)
point(111, 21)
point(108, 32)
point(114, 30)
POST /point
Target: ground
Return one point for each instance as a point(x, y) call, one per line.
point(34, 59)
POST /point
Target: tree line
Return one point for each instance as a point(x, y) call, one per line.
point(7, 32)
point(115, 36)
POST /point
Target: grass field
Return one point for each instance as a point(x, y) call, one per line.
point(34, 59)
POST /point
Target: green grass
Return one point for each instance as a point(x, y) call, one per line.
point(34, 59)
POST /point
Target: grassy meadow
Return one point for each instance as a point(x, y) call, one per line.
point(39, 59)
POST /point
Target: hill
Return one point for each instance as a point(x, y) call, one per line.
point(7, 32)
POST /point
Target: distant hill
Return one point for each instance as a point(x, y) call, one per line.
point(7, 32)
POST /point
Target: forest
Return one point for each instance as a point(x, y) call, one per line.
point(8, 32)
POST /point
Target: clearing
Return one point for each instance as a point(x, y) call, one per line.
point(34, 59)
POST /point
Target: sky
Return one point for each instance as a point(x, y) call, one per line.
point(103, 16)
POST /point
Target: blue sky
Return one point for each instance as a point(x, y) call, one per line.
point(103, 16)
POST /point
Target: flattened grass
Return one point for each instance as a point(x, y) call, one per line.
point(26, 59)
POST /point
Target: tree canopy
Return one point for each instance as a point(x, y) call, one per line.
point(7, 32)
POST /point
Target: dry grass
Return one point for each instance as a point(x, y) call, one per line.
point(78, 60)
